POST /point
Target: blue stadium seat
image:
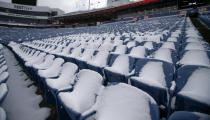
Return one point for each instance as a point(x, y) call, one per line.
point(66, 80)
point(192, 89)
point(119, 69)
point(154, 77)
point(123, 102)
point(185, 115)
point(71, 104)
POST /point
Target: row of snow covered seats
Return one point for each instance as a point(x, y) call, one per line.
point(157, 72)
point(192, 76)
point(81, 93)
point(3, 86)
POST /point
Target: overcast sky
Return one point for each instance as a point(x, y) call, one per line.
point(70, 5)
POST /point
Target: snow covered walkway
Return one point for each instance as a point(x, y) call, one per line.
point(21, 103)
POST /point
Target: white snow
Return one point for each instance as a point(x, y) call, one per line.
point(152, 74)
point(2, 114)
point(21, 102)
point(121, 49)
point(3, 68)
point(53, 70)
point(194, 46)
point(4, 76)
point(163, 54)
point(3, 90)
point(172, 39)
point(195, 57)
point(48, 61)
point(36, 60)
point(66, 78)
point(83, 96)
point(120, 65)
point(149, 45)
point(169, 45)
point(100, 59)
point(123, 102)
point(138, 52)
point(197, 86)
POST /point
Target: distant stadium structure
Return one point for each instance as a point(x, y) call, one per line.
point(26, 13)
point(25, 2)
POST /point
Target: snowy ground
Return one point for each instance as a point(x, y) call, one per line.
point(21, 102)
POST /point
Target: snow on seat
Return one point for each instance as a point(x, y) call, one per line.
point(64, 81)
point(57, 50)
point(138, 52)
point(172, 39)
point(32, 57)
point(74, 53)
point(195, 57)
point(3, 69)
point(84, 57)
point(3, 91)
point(169, 45)
point(196, 46)
point(87, 87)
point(52, 72)
point(48, 61)
point(106, 47)
point(165, 54)
point(131, 44)
point(121, 49)
point(3, 115)
point(99, 61)
point(154, 77)
point(185, 115)
point(36, 60)
point(122, 102)
point(192, 89)
point(3, 77)
point(120, 68)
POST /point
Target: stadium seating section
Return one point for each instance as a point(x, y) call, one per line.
point(118, 71)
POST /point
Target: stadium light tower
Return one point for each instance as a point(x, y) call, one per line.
point(89, 5)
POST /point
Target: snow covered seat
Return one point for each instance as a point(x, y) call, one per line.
point(173, 39)
point(106, 47)
point(3, 115)
point(57, 50)
point(45, 64)
point(121, 49)
point(154, 77)
point(99, 61)
point(36, 60)
point(122, 102)
point(3, 77)
point(84, 57)
point(74, 54)
point(138, 52)
point(3, 68)
point(195, 57)
point(32, 57)
point(87, 87)
point(170, 45)
point(166, 54)
point(3, 91)
point(185, 115)
point(52, 72)
point(3, 63)
point(64, 81)
point(131, 44)
point(119, 69)
point(151, 46)
point(192, 89)
point(195, 46)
